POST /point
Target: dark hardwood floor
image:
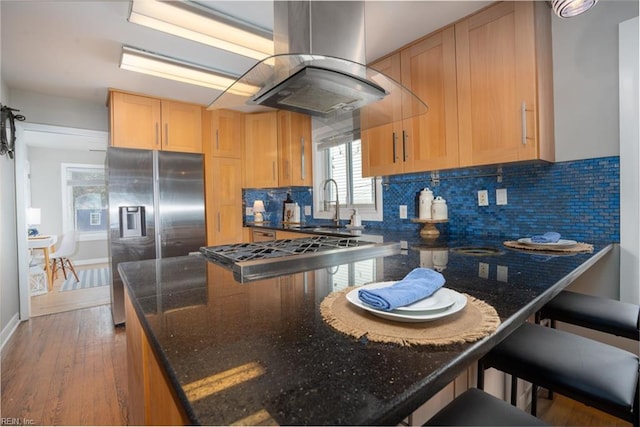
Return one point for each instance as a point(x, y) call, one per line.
point(70, 369)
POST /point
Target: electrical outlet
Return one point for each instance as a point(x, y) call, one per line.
point(403, 211)
point(483, 198)
point(248, 211)
point(501, 196)
point(307, 210)
point(483, 270)
point(503, 273)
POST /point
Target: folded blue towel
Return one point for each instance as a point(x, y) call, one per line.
point(548, 237)
point(418, 284)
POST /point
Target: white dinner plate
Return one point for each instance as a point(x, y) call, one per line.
point(560, 244)
point(460, 301)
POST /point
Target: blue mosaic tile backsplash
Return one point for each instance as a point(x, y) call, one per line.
point(578, 199)
point(274, 198)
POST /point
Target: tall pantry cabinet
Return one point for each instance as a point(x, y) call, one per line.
point(223, 132)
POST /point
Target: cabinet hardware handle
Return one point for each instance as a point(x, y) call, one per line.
point(286, 168)
point(218, 222)
point(217, 141)
point(166, 132)
point(394, 139)
point(157, 133)
point(404, 146)
point(303, 170)
point(523, 111)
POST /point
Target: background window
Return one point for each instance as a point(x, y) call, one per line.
point(85, 200)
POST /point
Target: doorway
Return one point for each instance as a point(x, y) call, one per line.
point(62, 170)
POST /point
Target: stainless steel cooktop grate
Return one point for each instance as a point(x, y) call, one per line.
point(278, 248)
point(258, 260)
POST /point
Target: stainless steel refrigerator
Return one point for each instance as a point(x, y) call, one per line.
point(156, 209)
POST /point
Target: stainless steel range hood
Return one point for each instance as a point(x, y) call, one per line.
point(318, 70)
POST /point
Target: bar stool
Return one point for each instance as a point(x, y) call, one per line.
point(477, 408)
point(597, 313)
point(591, 372)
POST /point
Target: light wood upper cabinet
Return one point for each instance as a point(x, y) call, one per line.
point(224, 200)
point(223, 133)
point(154, 124)
point(429, 71)
point(505, 90)
point(381, 129)
point(416, 143)
point(181, 127)
point(135, 121)
point(261, 150)
point(294, 149)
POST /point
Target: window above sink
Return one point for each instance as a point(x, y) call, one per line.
point(342, 162)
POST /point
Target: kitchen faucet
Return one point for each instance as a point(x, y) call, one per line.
point(336, 220)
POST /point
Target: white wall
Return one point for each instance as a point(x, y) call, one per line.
point(51, 110)
point(9, 297)
point(585, 64)
point(629, 163)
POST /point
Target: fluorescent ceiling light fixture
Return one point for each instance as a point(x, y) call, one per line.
point(169, 68)
point(195, 22)
point(571, 8)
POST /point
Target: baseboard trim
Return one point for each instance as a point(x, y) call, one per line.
point(8, 330)
point(90, 261)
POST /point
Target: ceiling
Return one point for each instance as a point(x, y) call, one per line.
point(72, 48)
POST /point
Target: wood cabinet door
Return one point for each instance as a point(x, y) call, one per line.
point(135, 121)
point(496, 72)
point(382, 149)
point(181, 127)
point(135, 365)
point(224, 206)
point(223, 133)
point(429, 71)
point(261, 150)
point(381, 127)
point(294, 149)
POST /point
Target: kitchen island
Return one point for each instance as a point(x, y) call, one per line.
point(261, 353)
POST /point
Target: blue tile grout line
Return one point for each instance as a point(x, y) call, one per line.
point(580, 199)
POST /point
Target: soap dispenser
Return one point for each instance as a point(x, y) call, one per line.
point(355, 219)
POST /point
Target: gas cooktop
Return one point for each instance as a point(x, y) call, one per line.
point(260, 260)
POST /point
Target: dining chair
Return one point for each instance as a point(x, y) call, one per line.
point(60, 258)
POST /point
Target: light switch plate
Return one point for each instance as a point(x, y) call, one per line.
point(248, 211)
point(483, 198)
point(307, 210)
point(501, 196)
point(502, 273)
point(403, 211)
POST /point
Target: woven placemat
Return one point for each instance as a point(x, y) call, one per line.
point(577, 248)
point(477, 320)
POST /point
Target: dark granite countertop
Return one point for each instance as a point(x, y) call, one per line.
point(260, 352)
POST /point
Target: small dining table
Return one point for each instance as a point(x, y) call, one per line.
point(45, 243)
